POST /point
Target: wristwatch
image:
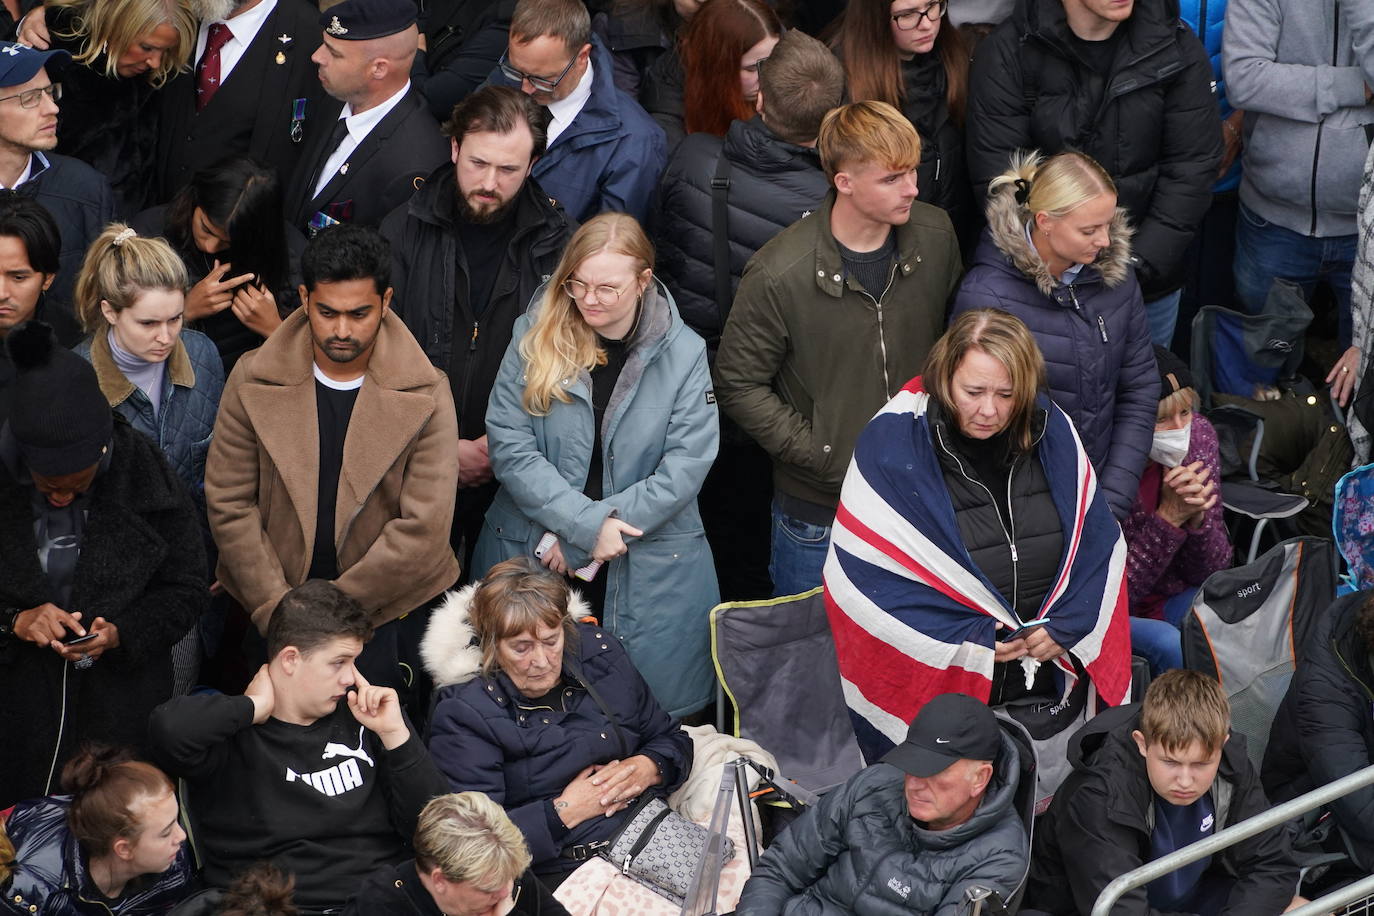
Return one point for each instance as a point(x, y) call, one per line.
point(8, 615)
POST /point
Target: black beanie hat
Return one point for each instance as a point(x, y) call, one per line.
point(58, 414)
point(1174, 374)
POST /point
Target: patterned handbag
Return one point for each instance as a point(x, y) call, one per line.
point(660, 848)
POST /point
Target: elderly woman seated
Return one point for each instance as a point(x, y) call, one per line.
point(545, 715)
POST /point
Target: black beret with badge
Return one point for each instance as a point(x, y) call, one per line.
point(359, 20)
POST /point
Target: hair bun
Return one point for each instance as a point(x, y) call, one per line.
point(90, 767)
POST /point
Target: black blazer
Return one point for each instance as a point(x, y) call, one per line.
point(381, 174)
point(251, 113)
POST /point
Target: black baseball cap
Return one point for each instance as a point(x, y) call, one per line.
point(19, 63)
point(951, 727)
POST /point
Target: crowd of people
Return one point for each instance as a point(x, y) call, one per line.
point(390, 388)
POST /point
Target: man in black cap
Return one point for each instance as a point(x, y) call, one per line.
point(77, 196)
point(86, 644)
point(370, 153)
point(912, 833)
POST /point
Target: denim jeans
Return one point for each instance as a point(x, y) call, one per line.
point(1266, 252)
point(1162, 315)
point(798, 554)
point(1158, 642)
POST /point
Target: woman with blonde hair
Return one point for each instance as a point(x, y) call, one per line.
point(123, 53)
point(164, 379)
point(1057, 254)
point(972, 551)
point(601, 428)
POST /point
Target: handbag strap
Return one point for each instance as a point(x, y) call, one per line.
point(720, 230)
point(606, 711)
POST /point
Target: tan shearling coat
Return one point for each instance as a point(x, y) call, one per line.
point(396, 485)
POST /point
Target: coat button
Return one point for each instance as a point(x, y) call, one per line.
point(826, 449)
point(604, 646)
point(599, 636)
point(489, 687)
point(837, 278)
point(820, 273)
point(568, 692)
point(546, 721)
point(522, 718)
point(603, 734)
point(400, 883)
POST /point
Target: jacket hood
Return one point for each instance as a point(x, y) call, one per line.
point(435, 203)
point(754, 144)
point(449, 648)
point(1007, 234)
point(998, 799)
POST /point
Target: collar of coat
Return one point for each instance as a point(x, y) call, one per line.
point(287, 357)
point(116, 386)
point(449, 649)
point(829, 266)
point(1007, 229)
point(1150, 27)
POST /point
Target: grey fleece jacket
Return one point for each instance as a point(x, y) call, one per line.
point(1295, 69)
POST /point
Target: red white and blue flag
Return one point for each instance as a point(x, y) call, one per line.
point(913, 617)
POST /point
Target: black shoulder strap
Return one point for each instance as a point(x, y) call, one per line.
point(625, 748)
point(720, 231)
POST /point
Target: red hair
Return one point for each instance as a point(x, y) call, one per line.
point(712, 44)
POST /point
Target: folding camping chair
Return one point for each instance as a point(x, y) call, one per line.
point(776, 660)
point(1240, 433)
point(1234, 352)
point(1248, 625)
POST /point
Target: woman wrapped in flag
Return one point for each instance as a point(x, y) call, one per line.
point(973, 550)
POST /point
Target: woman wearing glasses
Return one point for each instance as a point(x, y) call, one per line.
point(601, 428)
point(904, 53)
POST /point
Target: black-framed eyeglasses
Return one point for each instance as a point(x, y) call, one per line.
point(909, 19)
point(538, 82)
point(606, 294)
point(755, 67)
point(30, 97)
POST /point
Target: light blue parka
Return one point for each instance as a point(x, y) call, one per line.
point(659, 436)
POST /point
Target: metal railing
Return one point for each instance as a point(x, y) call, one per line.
point(1244, 830)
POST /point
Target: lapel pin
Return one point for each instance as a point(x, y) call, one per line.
point(281, 58)
point(343, 169)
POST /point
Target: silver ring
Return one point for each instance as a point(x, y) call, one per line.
point(84, 662)
point(1345, 368)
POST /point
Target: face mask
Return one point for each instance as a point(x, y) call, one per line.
point(1170, 446)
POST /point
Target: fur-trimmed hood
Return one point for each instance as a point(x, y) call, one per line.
point(1007, 231)
point(449, 648)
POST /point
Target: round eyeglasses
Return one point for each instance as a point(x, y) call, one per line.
point(909, 19)
point(606, 295)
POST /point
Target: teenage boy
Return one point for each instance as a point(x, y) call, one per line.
point(1149, 779)
point(831, 318)
point(326, 789)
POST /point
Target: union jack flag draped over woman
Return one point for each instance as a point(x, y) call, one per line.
point(913, 617)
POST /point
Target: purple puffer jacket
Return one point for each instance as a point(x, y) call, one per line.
point(1162, 560)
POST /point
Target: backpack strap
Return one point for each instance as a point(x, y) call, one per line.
point(720, 231)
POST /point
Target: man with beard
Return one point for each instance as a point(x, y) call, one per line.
point(252, 90)
point(335, 455)
point(468, 252)
point(371, 151)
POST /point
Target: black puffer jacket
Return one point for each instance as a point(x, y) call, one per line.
point(1020, 556)
point(773, 183)
point(1098, 827)
point(1323, 730)
point(942, 176)
point(1152, 122)
point(50, 875)
point(432, 297)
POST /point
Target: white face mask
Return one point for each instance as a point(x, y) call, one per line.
point(1170, 446)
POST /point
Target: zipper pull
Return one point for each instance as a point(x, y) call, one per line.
point(1101, 327)
point(938, 161)
point(1014, 557)
point(1073, 297)
point(472, 344)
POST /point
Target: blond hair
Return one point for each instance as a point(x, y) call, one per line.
point(468, 837)
point(863, 132)
point(119, 267)
point(560, 344)
point(1175, 401)
point(1055, 186)
point(514, 597)
point(1005, 338)
point(1182, 707)
point(109, 27)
